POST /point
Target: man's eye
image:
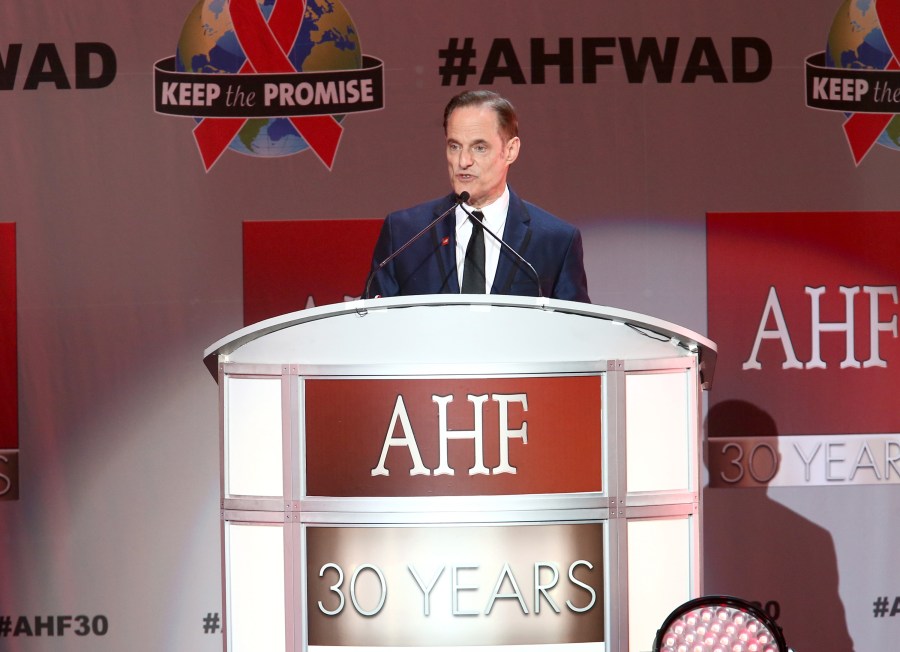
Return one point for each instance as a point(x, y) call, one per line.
point(481, 149)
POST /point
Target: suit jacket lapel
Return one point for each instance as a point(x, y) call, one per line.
point(516, 233)
point(444, 236)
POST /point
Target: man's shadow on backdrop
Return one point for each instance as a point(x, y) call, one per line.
point(757, 549)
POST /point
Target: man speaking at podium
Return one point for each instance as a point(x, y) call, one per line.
point(443, 246)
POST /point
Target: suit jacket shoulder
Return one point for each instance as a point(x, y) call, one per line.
point(552, 246)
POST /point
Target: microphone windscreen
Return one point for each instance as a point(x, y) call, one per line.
point(463, 197)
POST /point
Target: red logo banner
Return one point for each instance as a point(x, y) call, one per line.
point(9, 395)
point(804, 309)
point(293, 265)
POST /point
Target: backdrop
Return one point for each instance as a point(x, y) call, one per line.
point(172, 171)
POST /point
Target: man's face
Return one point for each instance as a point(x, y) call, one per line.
point(477, 157)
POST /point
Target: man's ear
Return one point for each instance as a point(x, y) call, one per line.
point(512, 149)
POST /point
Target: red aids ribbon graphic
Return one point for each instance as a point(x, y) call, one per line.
point(863, 129)
point(266, 45)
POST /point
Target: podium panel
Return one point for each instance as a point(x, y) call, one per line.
point(252, 411)
point(659, 579)
point(658, 426)
point(255, 585)
point(457, 471)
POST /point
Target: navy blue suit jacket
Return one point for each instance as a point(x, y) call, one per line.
point(551, 245)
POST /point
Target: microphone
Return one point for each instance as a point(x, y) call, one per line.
point(460, 198)
point(537, 279)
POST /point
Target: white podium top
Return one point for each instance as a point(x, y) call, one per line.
point(465, 331)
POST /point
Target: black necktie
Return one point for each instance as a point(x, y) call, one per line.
point(473, 281)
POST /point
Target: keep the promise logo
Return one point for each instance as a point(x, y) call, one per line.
point(268, 77)
point(859, 74)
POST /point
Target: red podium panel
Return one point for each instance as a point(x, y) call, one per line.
point(407, 437)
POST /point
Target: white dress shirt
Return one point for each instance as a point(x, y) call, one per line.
point(495, 220)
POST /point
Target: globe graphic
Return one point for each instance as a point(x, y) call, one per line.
point(327, 40)
point(857, 42)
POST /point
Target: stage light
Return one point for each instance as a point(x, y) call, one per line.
point(719, 623)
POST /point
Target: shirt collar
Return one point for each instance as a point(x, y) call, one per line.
point(494, 213)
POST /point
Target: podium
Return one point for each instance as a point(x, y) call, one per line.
point(458, 471)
